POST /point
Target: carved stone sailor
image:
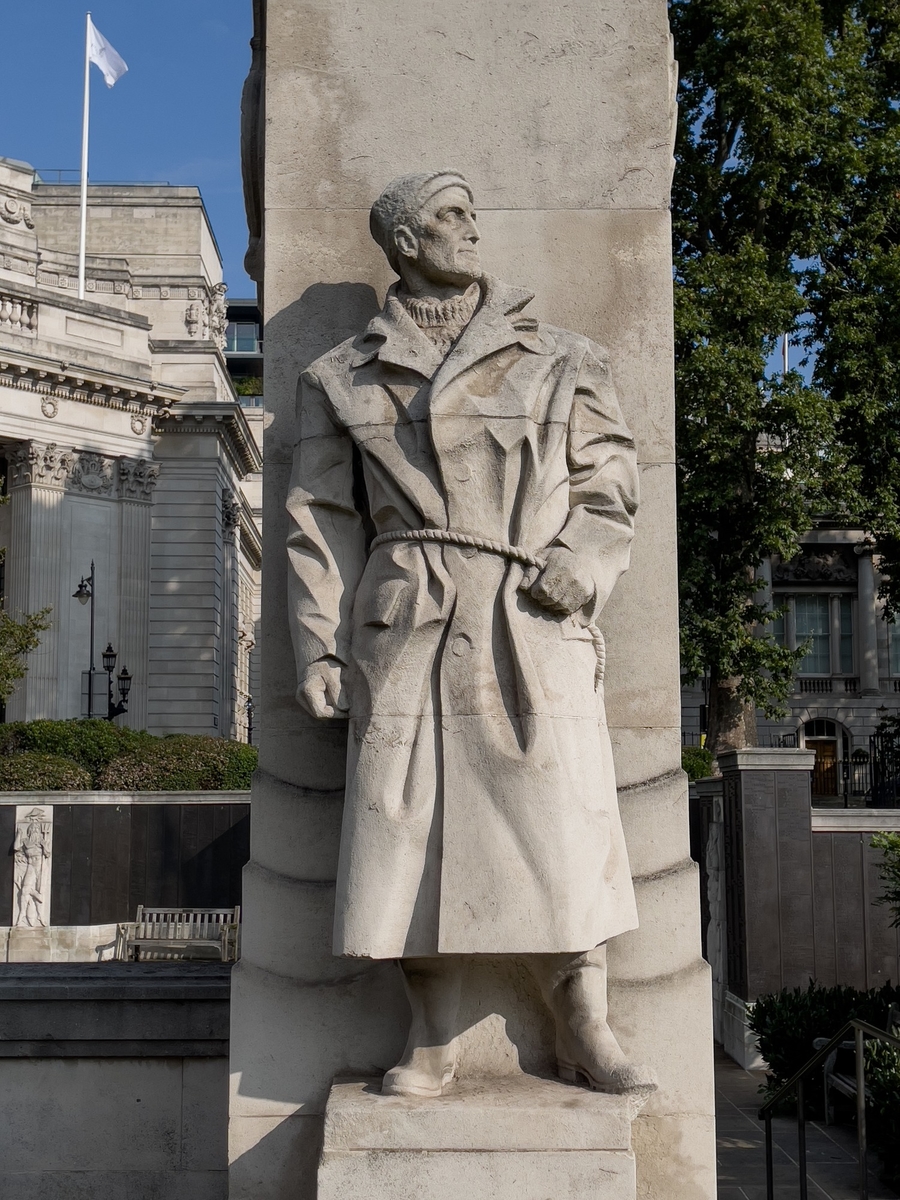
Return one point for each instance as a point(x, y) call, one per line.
point(462, 505)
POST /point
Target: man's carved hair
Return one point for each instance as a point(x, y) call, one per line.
point(401, 201)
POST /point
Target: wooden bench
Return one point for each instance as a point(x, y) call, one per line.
point(160, 933)
point(839, 1068)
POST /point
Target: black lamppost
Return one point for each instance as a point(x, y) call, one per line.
point(84, 593)
point(248, 704)
point(123, 682)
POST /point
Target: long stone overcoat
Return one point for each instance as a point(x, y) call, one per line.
point(480, 812)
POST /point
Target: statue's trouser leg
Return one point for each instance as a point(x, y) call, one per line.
point(429, 1060)
point(574, 987)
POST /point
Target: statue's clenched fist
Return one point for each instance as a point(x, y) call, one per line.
point(563, 586)
point(321, 690)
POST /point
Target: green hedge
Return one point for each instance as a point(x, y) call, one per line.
point(786, 1023)
point(181, 764)
point(33, 772)
point(81, 755)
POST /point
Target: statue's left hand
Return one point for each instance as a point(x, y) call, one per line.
point(563, 586)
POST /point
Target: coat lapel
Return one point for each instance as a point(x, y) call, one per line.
point(394, 337)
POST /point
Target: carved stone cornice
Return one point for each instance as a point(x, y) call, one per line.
point(214, 417)
point(65, 381)
point(137, 478)
point(37, 465)
point(92, 474)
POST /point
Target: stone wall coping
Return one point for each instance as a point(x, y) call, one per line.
point(710, 786)
point(765, 758)
point(124, 798)
point(115, 981)
point(856, 820)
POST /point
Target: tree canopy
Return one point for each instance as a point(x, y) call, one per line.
point(785, 208)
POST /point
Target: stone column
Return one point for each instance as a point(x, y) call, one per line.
point(231, 523)
point(37, 479)
point(562, 119)
point(137, 479)
point(834, 641)
point(869, 684)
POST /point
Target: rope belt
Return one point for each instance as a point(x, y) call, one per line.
point(449, 537)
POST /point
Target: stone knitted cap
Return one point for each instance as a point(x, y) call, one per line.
point(402, 199)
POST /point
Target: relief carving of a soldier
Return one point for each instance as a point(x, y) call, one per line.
point(462, 505)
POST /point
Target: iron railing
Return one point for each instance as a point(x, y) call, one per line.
point(861, 1030)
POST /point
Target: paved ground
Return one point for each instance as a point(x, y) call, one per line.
point(741, 1156)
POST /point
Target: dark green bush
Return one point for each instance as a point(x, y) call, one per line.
point(34, 772)
point(92, 744)
point(182, 763)
point(786, 1022)
point(697, 761)
point(883, 1088)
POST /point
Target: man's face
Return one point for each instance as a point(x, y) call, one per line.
point(444, 242)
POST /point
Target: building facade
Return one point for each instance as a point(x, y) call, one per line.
point(849, 678)
point(125, 446)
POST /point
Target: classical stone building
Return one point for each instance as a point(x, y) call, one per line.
point(849, 678)
point(125, 444)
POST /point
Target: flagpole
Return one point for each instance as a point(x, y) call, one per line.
point(82, 240)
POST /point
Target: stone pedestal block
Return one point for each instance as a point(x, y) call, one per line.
point(520, 1137)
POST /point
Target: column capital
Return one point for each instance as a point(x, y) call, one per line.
point(137, 479)
point(38, 465)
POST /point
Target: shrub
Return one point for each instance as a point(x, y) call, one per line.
point(183, 762)
point(786, 1022)
point(883, 1088)
point(92, 744)
point(35, 772)
point(697, 761)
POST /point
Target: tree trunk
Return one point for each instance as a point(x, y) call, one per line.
point(731, 719)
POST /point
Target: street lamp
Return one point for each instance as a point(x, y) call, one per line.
point(83, 594)
point(123, 683)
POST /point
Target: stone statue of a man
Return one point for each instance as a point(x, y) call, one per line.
point(462, 506)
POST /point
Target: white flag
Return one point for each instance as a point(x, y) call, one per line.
point(101, 52)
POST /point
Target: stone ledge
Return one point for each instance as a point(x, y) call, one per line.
point(518, 1113)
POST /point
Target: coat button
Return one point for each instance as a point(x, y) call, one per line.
point(462, 474)
point(468, 551)
point(460, 646)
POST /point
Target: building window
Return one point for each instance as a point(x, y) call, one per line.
point(812, 620)
point(242, 337)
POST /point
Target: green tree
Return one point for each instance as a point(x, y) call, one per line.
point(17, 638)
point(777, 125)
point(889, 871)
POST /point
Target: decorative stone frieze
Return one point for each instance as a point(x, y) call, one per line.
point(137, 478)
point(42, 466)
point(92, 474)
point(822, 566)
point(218, 315)
point(192, 318)
point(18, 315)
point(15, 211)
point(69, 382)
point(49, 407)
point(32, 849)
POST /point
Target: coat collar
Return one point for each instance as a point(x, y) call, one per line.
point(394, 337)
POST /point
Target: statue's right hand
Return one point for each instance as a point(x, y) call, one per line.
point(321, 691)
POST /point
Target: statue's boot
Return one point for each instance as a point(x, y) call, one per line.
point(429, 1060)
point(575, 990)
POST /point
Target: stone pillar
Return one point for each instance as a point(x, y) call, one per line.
point(37, 479)
point(562, 119)
point(766, 869)
point(137, 479)
point(231, 532)
point(869, 684)
point(834, 641)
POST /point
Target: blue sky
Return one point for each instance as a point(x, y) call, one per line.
point(175, 116)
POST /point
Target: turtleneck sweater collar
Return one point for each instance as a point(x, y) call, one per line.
point(442, 321)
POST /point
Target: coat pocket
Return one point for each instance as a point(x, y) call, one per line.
point(381, 609)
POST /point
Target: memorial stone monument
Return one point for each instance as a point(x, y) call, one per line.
point(466, 473)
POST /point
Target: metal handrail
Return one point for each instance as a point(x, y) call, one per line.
point(861, 1030)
